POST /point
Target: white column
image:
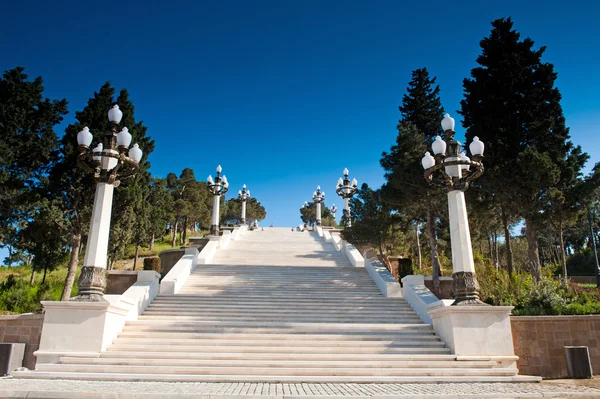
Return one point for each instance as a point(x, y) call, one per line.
point(347, 212)
point(318, 213)
point(243, 211)
point(216, 210)
point(97, 243)
point(460, 237)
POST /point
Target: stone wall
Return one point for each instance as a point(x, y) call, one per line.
point(583, 279)
point(539, 342)
point(445, 286)
point(119, 281)
point(25, 329)
point(169, 257)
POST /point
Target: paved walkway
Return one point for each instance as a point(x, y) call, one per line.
point(28, 388)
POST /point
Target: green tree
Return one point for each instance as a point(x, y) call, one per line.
point(372, 224)
point(27, 150)
point(129, 223)
point(406, 191)
point(160, 203)
point(254, 211)
point(512, 105)
point(308, 214)
point(44, 237)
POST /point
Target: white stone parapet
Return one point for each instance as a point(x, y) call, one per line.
point(74, 328)
point(179, 273)
point(352, 254)
point(420, 298)
point(336, 241)
point(384, 280)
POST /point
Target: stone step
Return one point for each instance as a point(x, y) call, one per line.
point(217, 356)
point(280, 318)
point(280, 363)
point(354, 299)
point(195, 328)
point(277, 349)
point(111, 376)
point(358, 339)
point(290, 371)
point(300, 342)
point(266, 310)
point(259, 305)
point(289, 294)
point(287, 326)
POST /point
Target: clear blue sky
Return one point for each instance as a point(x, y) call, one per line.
point(285, 94)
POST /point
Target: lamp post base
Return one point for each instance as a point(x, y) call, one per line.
point(92, 283)
point(466, 289)
point(214, 230)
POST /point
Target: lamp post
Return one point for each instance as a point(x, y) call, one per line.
point(333, 210)
point(243, 195)
point(346, 190)
point(454, 171)
point(108, 162)
point(318, 198)
point(217, 188)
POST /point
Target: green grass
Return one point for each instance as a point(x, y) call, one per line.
point(586, 285)
point(17, 296)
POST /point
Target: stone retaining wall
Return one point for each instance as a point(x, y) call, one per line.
point(583, 279)
point(25, 329)
point(445, 286)
point(539, 342)
point(170, 257)
point(119, 281)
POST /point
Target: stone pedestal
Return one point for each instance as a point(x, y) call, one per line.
point(477, 332)
point(83, 328)
point(74, 328)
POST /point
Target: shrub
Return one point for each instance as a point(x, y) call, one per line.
point(152, 263)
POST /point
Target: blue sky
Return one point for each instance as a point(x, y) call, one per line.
point(285, 94)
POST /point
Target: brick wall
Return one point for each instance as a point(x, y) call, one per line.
point(25, 329)
point(539, 342)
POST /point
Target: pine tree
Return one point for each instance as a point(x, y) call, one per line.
point(512, 105)
point(406, 191)
point(28, 150)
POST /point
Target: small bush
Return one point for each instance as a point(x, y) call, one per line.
point(152, 263)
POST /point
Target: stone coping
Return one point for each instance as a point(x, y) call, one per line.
point(557, 317)
point(22, 316)
point(470, 309)
point(177, 249)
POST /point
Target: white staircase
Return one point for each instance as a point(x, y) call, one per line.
point(278, 306)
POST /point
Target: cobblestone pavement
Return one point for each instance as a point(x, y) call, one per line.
point(29, 388)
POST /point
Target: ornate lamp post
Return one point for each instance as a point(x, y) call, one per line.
point(454, 171)
point(346, 190)
point(333, 210)
point(243, 195)
point(318, 198)
point(217, 188)
point(109, 163)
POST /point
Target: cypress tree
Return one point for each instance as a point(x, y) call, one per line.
point(406, 191)
point(511, 104)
